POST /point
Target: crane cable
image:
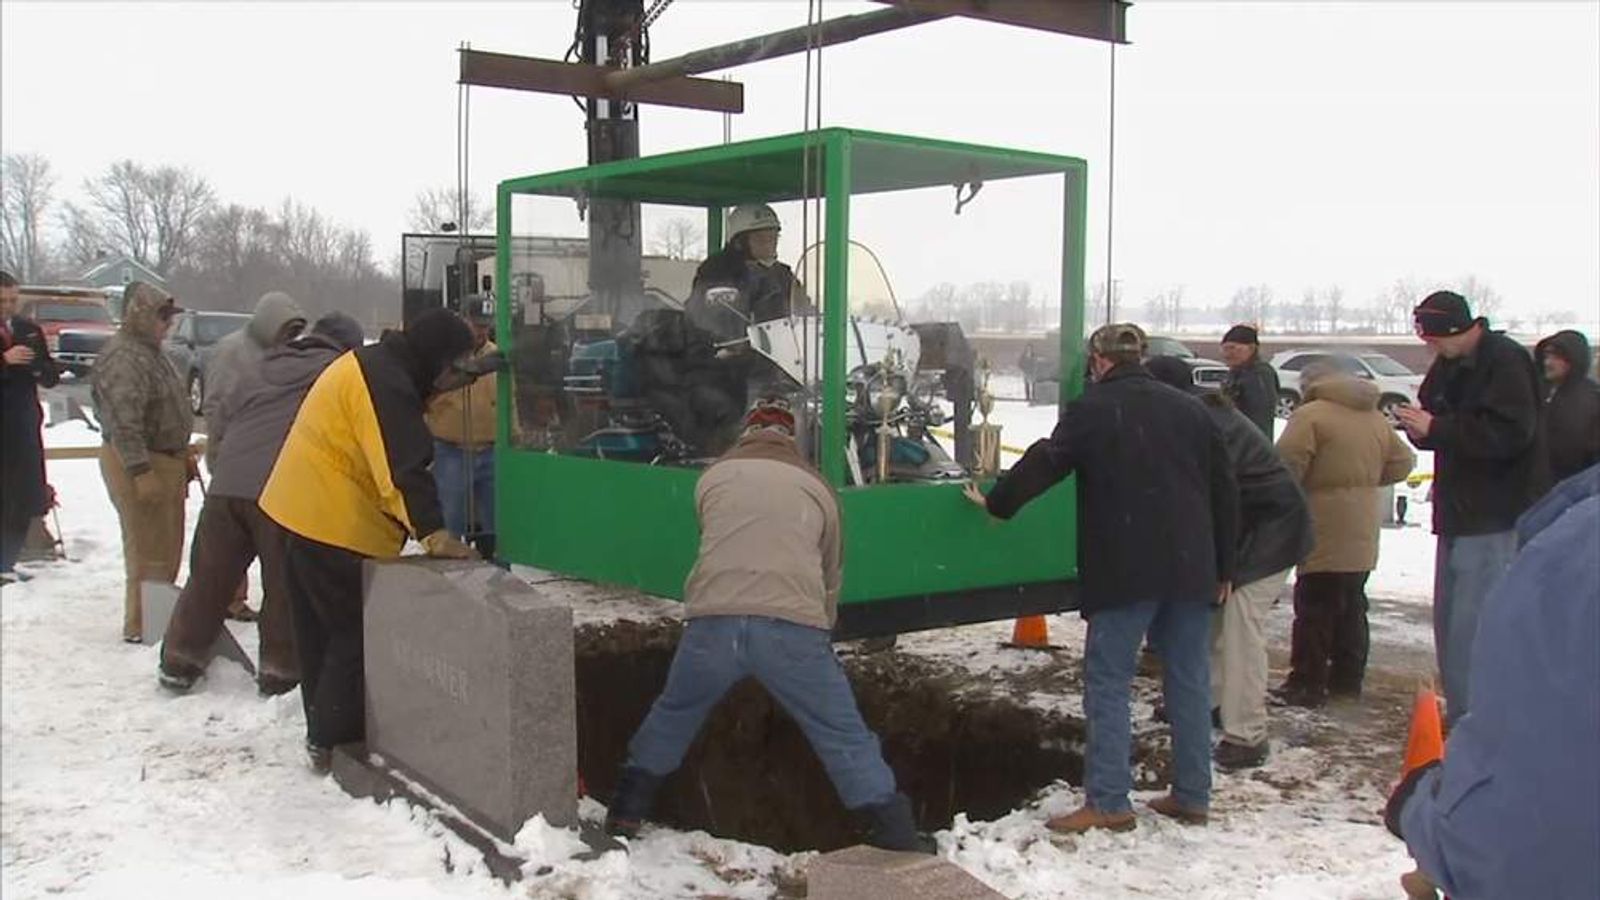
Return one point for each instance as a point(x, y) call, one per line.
point(1111, 183)
point(810, 199)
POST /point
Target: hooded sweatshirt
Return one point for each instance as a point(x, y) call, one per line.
point(1570, 418)
point(239, 354)
point(142, 406)
point(259, 411)
point(769, 536)
point(1342, 450)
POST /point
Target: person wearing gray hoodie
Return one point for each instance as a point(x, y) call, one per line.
point(258, 410)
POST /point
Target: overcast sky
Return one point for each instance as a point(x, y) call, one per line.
point(1291, 144)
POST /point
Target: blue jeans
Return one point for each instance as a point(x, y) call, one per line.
point(1183, 632)
point(797, 667)
point(1465, 569)
point(450, 474)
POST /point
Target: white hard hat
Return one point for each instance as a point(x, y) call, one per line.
point(751, 217)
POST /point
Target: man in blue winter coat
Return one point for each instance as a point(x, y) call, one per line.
point(1513, 810)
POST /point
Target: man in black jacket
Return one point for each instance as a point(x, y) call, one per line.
point(1252, 384)
point(1157, 519)
point(1479, 416)
point(27, 366)
point(1274, 535)
point(1570, 420)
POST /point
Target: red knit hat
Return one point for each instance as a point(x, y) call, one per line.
point(771, 412)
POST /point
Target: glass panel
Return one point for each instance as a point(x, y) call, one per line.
point(1385, 365)
point(212, 328)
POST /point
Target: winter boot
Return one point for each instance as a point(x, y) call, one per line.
point(319, 758)
point(891, 826)
point(632, 801)
point(1232, 756)
point(1172, 808)
point(177, 677)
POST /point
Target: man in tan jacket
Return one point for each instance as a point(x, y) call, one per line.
point(761, 600)
point(463, 424)
point(1342, 450)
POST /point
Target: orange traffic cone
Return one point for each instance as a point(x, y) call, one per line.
point(1030, 633)
point(1425, 743)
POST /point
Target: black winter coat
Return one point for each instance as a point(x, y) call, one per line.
point(1569, 423)
point(764, 292)
point(1487, 466)
point(1253, 388)
point(1158, 506)
point(1274, 522)
point(22, 479)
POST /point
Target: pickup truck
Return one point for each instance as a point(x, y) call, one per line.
point(75, 323)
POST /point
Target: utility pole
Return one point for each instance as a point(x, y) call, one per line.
point(611, 38)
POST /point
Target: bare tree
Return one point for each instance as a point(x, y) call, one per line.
point(679, 237)
point(433, 207)
point(25, 195)
point(938, 303)
point(82, 242)
point(1484, 300)
point(1333, 307)
point(1098, 302)
point(1251, 304)
point(1163, 311)
point(152, 215)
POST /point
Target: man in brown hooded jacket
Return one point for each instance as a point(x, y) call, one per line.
point(1342, 450)
point(146, 421)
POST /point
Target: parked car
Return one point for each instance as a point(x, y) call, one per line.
point(79, 314)
point(189, 345)
point(1397, 385)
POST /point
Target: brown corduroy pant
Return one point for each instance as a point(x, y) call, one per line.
point(152, 531)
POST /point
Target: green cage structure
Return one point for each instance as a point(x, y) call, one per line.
point(620, 392)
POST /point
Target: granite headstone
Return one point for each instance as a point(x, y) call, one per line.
point(471, 690)
point(860, 871)
point(157, 600)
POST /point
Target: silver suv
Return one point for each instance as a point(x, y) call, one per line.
point(1397, 385)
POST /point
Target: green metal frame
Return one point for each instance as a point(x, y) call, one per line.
point(633, 524)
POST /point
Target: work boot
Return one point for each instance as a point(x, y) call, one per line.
point(176, 677)
point(632, 801)
point(319, 758)
point(891, 826)
point(239, 611)
point(1231, 756)
point(273, 685)
point(1298, 695)
point(1172, 808)
point(1087, 818)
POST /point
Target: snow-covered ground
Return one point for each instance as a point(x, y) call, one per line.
point(111, 788)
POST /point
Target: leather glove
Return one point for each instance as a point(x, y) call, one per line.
point(1402, 792)
point(443, 544)
point(191, 466)
point(147, 487)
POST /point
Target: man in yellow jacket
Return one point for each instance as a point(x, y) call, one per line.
point(351, 484)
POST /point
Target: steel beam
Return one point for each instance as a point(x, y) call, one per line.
point(1100, 20)
point(770, 46)
point(526, 73)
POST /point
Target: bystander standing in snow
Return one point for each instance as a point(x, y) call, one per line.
point(463, 423)
point(146, 419)
point(277, 318)
point(1274, 535)
point(1513, 809)
point(760, 603)
point(1252, 384)
point(1159, 509)
point(1479, 416)
point(1569, 422)
point(1342, 450)
point(351, 484)
point(249, 429)
point(26, 368)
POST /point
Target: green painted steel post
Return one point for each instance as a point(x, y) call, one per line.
point(713, 229)
point(835, 312)
point(504, 297)
point(1075, 212)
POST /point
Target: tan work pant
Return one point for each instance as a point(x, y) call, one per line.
point(1239, 659)
point(152, 532)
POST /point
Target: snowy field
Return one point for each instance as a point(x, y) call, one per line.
point(109, 787)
